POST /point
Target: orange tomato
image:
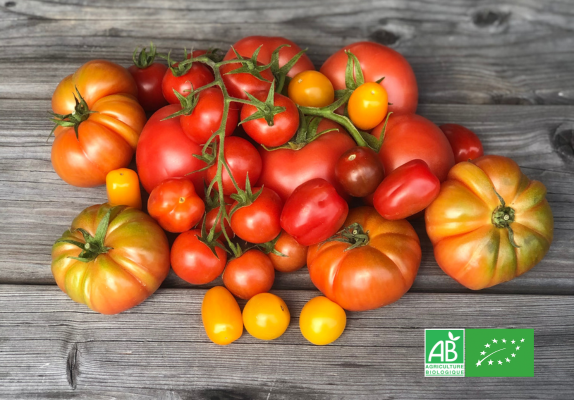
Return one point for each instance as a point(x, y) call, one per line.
point(221, 316)
point(295, 254)
point(266, 316)
point(368, 105)
point(311, 89)
point(123, 187)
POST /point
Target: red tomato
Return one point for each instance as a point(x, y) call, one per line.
point(211, 217)
point(359, 171)
point(406, 191)
point(378, 61)
point(285, 169)
point(295, 254)
point(198, 75)
point(193, 261)
point(285, 124)
point(258, 222)
point(314, 212)
point(464, 142)
point(164, 152)
point(238, 84)
point(205, 118)
point(249, 274)
point(411, 137)
point(175, 205)
point(148, 81)
point(242, 158)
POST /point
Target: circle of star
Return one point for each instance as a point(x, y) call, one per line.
point(485, 356)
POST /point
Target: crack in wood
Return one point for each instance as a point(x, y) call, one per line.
point(72, 367)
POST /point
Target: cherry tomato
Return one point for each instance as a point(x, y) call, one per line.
point(211, 216)
point(266, 316)
point(359, 171)
point(314, 212)
point(238, 84)
point(149, 83)
point(123, 187)
point(175, 205)
point(258, 222)
point(242, 158)
point(368, 105)
point(284, 125)
point(311, 89)
point(464, 142)
point(406, 191)
point(295, 254)
point(193, 261)
point(198, 75)
point(322, 321)
point(249, 274)
point(205, 118)
point(221, 316)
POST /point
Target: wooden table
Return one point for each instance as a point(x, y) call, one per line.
point(504, 69)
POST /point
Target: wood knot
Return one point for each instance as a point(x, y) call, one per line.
point(385, 37)
point(9, 4)
point(72, 366)
point(563, 141)
point(485, 18)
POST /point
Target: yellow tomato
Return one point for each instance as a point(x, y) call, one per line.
point(368, 105)
point(221, 316)
point(123, 188)
point(322, 321)
point(266, 316)
point(311, 89)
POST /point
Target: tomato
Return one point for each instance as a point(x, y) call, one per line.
point(121, 268)
point(377, 272)
point(193, 261)
point(149, 83)
point(314, 212)
point(284, 126)
point(359, 171)
point(407, 190)
point(285, 169)
point(411, 137)
point(322, 321)
point(249, 274)
point(258, 222)
point(266, 316)
point(470, 227)
point(464, 142)
point(123, 187)
point(295, 254)
point(311, 89)
point(243, 159)
point(378, 61)
point(164, 152)
point(221, 316)
point(205, 118)
point(239, 83)
point(198, 75)
point(175, 205)
point(108, 123)
point(211, 217)
point(368, 105)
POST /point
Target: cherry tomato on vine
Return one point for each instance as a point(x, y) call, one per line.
point(238, 84)
point(266, 316)
point(368, 105)
point(464, 142)
point(221, 316)
point(406, 191)
point(148, 76)
point(359, 171)
point(211, 217)
point(311, 89)
point(322, 321)
point(249, 274)
point(295, 254)
point(175, 205)
point(285, 123)
point(258, 222)
point(198, 75)
point(123, 187)
point(314, 212)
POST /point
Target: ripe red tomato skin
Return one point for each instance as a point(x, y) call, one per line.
point(148, 81)
point(285, 124)
point(193, 261)
point(406, 191)
point(360, 175)
point(198, 76)
point(259, 222)
point(210, 218)
point(238, 84)
point(314, 212)
point(464, 142)
point(249, 274)
point(295, 254)
point(206, 116)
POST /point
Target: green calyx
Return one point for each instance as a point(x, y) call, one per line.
point(145, 58)
point(248, 65)
point(265, 109)
point(244, 197)
point(354, 235)
point(269, 247)
point(503, 217)
point(80, 114)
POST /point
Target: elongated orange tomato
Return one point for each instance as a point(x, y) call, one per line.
point(221, 316)
point(102, 121)
point(123, 187)
point(489, 223)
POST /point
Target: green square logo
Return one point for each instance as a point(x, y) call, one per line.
point(444, 352)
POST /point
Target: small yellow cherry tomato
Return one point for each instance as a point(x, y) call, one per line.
point(266, 316)
point(123, 188)
point(221, 316)
point(322, 321)
point(368, 105)
point(311, 89)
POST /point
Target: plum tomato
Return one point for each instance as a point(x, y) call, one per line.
point(311, 89)
point(258, 222)
point(295, 254)
point(221, 316)
point(322, 321)
point(266, 316)
point(249, 274)
point(359, 171)
point(123, 187)
point(464, 142)
point(368, 105)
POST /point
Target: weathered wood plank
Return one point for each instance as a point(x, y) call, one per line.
point(50, 344)
point(462, 51)
point(36, 206)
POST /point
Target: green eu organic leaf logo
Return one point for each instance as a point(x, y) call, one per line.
point(503, 342)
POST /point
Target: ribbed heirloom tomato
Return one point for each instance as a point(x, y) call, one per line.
point(473, 229)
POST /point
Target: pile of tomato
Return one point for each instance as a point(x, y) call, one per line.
point(261, 165)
